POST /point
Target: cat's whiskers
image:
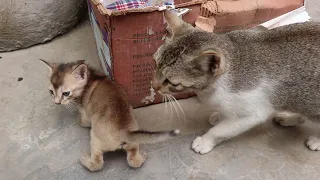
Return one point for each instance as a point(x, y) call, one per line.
point(179, 106)
point(170, 104)
point(174, 105)
point(171, 110)
point(200, 93)
point(165, 105)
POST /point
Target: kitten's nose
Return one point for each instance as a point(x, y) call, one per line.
point(57, 101)
point(155, 85)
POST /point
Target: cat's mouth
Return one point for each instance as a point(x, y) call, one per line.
point(168, 93)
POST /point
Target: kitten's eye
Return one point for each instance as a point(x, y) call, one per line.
point(51, 92)
point(67, 93)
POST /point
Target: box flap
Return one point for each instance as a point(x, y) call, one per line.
point(209, 11)
point(109, 12)
point(212, 8)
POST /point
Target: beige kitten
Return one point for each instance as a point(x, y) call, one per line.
point(104, 107)
point(246, 76)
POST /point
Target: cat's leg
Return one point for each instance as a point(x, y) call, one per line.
point(94, 160)
point(313, 143)
point(134, 156)
point(286, 118)
point(226, 129)
point(292, 119)
point(214, 118)
point(83, 120)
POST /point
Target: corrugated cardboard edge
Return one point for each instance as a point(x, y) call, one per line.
point(210, 9)
point(109, 12)
point(109, 32)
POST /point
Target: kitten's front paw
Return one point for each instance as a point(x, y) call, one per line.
point(202, 145)
point(313, 143)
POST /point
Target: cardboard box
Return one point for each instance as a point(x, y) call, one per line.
point(127, 39)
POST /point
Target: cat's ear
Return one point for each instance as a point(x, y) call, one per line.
point(174, 22)
point(48, 64)
point(208, 61)
point(80, 72)
point(81, 61)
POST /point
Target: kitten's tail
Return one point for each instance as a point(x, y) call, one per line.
point(147, 137)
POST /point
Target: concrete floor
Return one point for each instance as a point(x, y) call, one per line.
point(40, 140)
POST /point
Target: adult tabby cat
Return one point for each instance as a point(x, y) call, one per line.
point(246, 76)
point(104, 107)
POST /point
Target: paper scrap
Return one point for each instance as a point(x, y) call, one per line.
point(296, 16)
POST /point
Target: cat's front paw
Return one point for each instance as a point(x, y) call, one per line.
point(313, 143)
point(202, 145)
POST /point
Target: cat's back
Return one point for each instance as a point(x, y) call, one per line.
point(290, 46)
point(309, 30)
point(287, 58)
point(293, 45)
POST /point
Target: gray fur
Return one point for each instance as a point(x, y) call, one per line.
point(257, 74)
point(287, 56)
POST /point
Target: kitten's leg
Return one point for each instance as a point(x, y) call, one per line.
point(286, 118)
point(83, 120)
point(226, 129)
point(134, 156)
point(313, 143)
point(94, 160)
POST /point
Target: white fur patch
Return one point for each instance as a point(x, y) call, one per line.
point(243, 103)
point(240, 111)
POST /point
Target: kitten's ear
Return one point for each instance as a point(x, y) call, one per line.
point(80, 72)
point(48, 64)
point(174, 21)
point(208, 61)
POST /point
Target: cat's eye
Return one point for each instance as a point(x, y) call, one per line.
point(51, 92)
point(167, 81)
point(67, 93)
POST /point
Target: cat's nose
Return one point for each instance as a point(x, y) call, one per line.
point(156, 85)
